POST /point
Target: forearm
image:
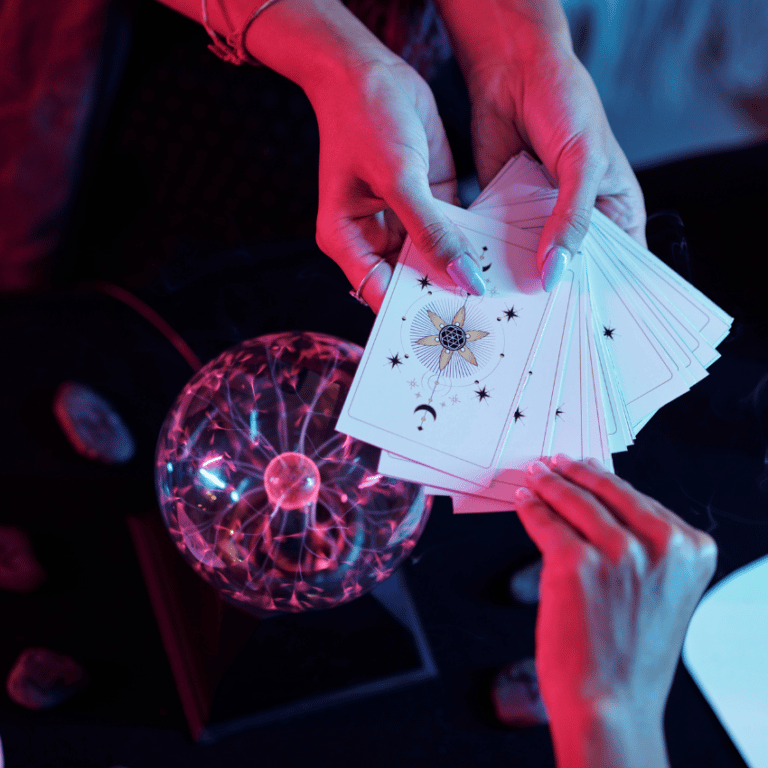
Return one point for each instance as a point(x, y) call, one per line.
point(479, 28)
point(608, 738)
point(306, 41)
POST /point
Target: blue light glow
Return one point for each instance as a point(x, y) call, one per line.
point(254, 427)
point(213, 481)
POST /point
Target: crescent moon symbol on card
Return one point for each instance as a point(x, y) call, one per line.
point(487, 267)
point(427, 408)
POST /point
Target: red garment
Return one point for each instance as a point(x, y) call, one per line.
point(49, 60)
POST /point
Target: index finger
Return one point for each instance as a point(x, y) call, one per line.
point(550, 532)
point(651, 522)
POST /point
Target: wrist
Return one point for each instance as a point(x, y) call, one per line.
point(608, 734)
point(313, 42)
point(503, 31)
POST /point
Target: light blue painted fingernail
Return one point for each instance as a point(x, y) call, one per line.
point(554, 266)
point(466, 273)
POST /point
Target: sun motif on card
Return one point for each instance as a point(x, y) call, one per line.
point(451, 341)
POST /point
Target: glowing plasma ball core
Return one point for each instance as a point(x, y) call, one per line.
point(264, 499)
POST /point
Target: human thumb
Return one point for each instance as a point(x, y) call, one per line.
point(566, 228)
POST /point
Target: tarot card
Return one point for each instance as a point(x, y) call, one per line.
point(709, 320)
point(646, 373)
point(533, 417)
point(538, 410)
point(588, 365)
point(464, 504)
point(520, 177)
point(665, 334)
point(569, 433)
point(598, 443)
point(441, 373)
point(392, 465)
point(618, 427)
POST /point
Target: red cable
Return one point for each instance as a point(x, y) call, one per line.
point(149, 314)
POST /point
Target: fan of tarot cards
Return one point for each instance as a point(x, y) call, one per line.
point(462, 392)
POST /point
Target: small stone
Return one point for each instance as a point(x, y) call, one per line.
point(41, 679)
point(92, 426)
point(516, 696)
point(20, 570)
point(524, 584)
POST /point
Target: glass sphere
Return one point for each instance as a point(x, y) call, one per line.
point(264, 499)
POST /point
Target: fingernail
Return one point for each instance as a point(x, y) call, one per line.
point(466, 273)
point(523, 494)
point(593, 462)
point(561, 461)
point(538, 468)
point(554, 266)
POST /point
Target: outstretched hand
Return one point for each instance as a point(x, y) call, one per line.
point(622, 576)
point(384, 156)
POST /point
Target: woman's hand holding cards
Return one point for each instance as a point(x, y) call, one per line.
point(384, 157)
point(622, 576)
point(529, 91)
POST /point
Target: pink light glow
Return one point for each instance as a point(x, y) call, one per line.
point(296, 516)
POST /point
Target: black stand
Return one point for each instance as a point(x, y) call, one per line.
point(234, 671)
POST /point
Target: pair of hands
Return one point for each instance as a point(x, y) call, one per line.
point(384, 155)
point(621, 578)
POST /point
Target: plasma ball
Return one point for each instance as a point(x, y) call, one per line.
point(265, 500)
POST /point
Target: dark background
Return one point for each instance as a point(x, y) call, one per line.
point(199, 195)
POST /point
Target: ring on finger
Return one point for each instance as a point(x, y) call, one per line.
point(358, 294)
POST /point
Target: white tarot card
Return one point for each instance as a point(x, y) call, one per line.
point(664, 333)
point(707, 319)
point(464, 504)
point(705, 316)
point(533, 417)
point(634, 272)
point(570, 427)
point(441, 372)
point(599, 447)
point(538, 409)
point(520, 177)
point(645, 372)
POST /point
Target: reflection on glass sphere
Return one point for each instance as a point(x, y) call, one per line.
point(266, 501)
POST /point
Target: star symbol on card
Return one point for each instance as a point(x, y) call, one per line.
point(608, 332)
point(454, 399)
point(559, 413)
point(412, 383)
point(424, 282)
point(518, 415)
point(482, 394)
point(394, 360)
point(511, 313)
point(493, 292)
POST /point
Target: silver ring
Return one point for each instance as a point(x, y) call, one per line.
point(358, 294)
